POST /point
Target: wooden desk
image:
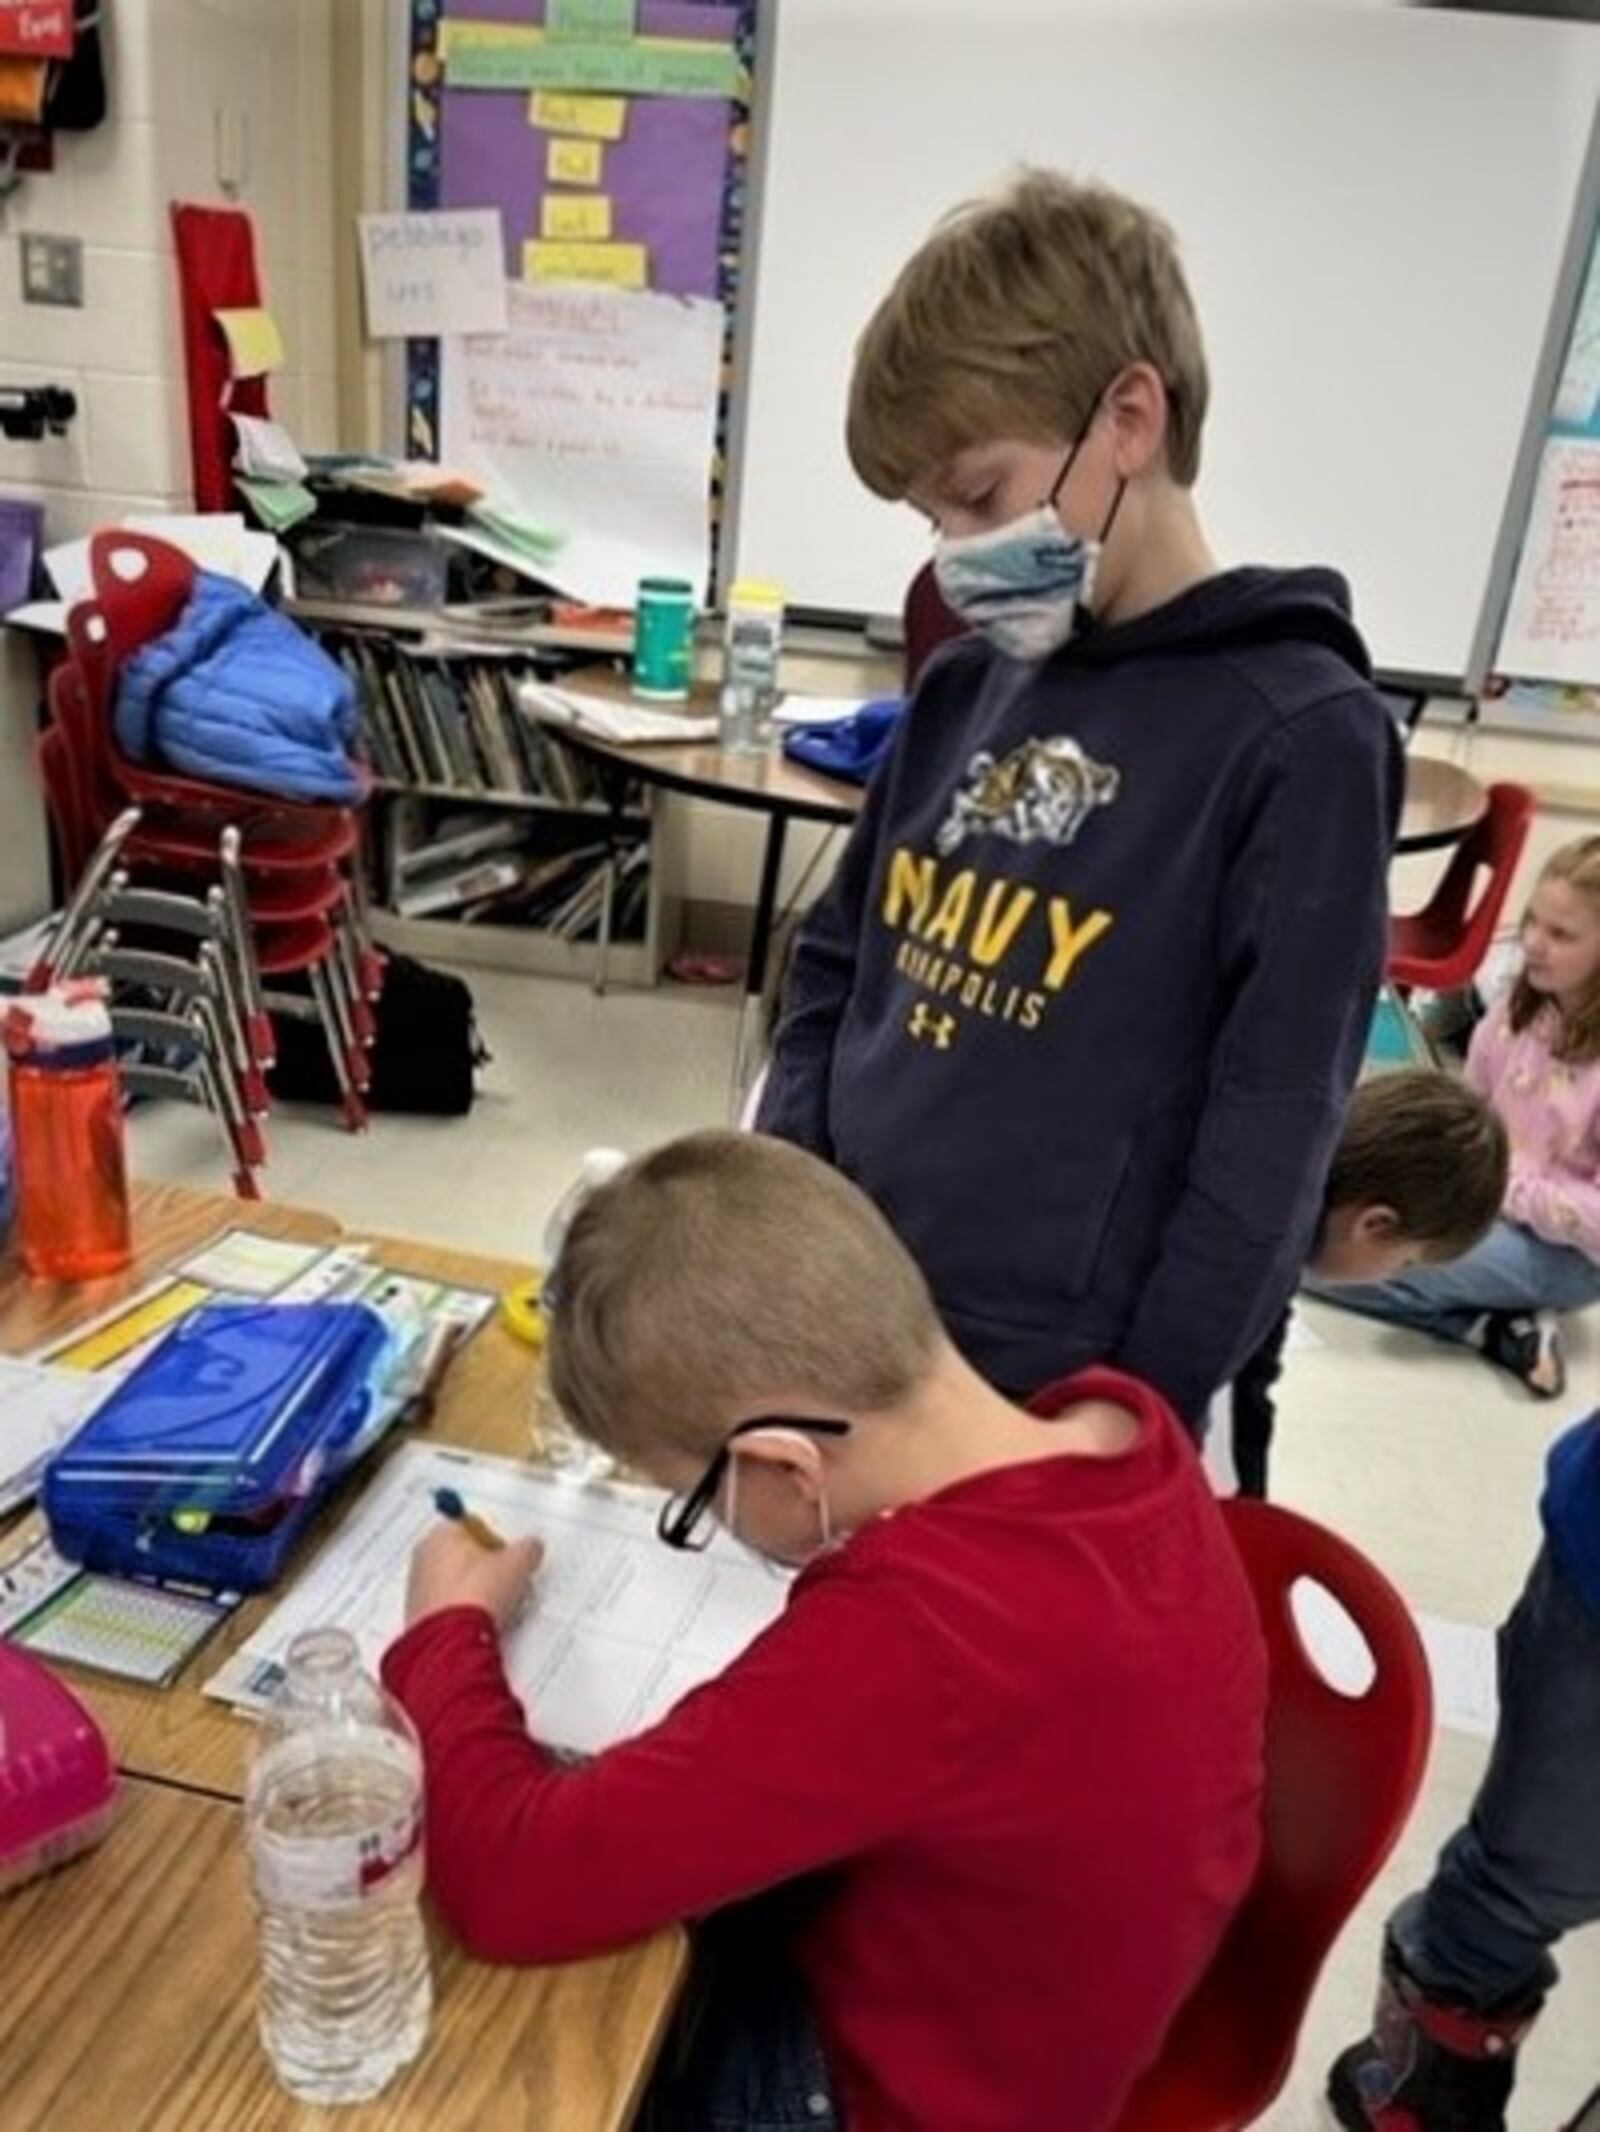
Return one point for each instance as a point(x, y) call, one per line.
point(764, 783)
point(1442, 803)
point(130, 1974)
point(130, 2001)
point(170, 1223)
point(179, 1734)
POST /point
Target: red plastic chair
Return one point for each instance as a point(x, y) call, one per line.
point(1342, 1775)
point(926, 622)
point(141, 586)
point(1441, 948)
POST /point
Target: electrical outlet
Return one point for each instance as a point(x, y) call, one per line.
point(52, 270)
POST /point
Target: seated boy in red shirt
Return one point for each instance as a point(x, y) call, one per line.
point(1001, 1751)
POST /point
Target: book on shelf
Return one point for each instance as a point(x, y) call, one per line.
point(455, 840)
point(484, 880)
point(447, 717)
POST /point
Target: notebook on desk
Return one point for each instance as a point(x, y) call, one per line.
point(621, 725)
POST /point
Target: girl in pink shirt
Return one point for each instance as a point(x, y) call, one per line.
point(1536, 1057)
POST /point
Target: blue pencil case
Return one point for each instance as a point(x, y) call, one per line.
point(210, 1457)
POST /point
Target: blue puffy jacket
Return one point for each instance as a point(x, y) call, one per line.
point(235, 692)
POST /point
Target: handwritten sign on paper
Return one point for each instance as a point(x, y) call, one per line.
point(574, 162)
point(429, 274)
point(1552, 630)
point(584, 216)
point(595, 118)
point(617, 266)
point(596, 414)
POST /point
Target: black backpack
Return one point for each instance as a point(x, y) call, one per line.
point(423, 1057)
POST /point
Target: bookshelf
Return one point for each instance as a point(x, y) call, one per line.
point(495, 844)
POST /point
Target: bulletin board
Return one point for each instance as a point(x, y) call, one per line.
point(662, 174)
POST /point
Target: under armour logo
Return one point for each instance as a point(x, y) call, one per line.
point(941, 1027)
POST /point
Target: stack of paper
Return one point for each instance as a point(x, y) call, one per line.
point(219, 541)
point(623, 725)
point(40, 1406)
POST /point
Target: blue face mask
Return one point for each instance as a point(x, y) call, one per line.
point(1024, 584)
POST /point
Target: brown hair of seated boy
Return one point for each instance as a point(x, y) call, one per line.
point(1419, 1176)
point(729, 1275)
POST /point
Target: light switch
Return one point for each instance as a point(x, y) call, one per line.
point(52, 270)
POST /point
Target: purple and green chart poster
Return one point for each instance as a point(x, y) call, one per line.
point(663, 173)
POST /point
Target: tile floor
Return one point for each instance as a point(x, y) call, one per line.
point(1423, 1457)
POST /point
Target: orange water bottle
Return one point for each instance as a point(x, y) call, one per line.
point(67, 1133)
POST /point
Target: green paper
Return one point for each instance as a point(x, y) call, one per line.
point(589, 18)
point(278, 504)
point(637, 66)
point(516, 530)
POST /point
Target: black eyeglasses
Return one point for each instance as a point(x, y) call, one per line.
point(684, 1523)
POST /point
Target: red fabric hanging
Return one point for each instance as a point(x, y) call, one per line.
point(216, 272)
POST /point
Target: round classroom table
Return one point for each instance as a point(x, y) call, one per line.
point(1442, 802)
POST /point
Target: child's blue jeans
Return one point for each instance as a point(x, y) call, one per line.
point(744, 2056)
point(1511, 1269)
point(1526, 1867)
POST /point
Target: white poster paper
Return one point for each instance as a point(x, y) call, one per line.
point(434, 274)
point(1552, 630)
point(594, 416)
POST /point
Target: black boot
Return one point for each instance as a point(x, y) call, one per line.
point(1428, 2067)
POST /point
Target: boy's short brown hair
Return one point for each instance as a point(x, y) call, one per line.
point(1012, 319)
point(1431, 1148)
point(725, 1276)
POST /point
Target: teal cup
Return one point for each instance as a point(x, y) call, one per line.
point(663, 644)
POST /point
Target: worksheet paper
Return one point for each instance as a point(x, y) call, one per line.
point(594, 414)
point(619, 1627)
point(39, 1409)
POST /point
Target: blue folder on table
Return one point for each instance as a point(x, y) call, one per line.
point(208, 1459)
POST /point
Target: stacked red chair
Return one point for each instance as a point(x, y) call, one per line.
point(290, 870)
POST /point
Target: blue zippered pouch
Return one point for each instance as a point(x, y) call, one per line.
point(210, 1457)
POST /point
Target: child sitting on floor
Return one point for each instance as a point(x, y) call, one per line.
point(1002, 1751)
point(1536, 1057)
point(1418, 1177)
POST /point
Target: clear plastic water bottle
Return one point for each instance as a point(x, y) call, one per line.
point(563, 1446)
point(333, 1810)
point(751, 651)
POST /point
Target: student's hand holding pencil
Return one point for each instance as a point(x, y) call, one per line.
point(456, 1566)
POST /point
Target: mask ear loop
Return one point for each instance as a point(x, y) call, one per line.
point(824, 1514)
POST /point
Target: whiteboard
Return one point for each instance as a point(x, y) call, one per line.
point(1372, 205)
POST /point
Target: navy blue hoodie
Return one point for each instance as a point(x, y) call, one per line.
point(1084, 1003)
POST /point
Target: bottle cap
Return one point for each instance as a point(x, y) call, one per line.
point(755, 592)
point(599, 1166)
point(65, 1018)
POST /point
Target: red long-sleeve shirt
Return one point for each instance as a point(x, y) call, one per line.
point(1016, 1725)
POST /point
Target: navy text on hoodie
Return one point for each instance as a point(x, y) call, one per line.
point(1084, 1003)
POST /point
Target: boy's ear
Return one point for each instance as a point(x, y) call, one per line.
point(789, 1450)
point(1377, 1224)
point(1137, 405)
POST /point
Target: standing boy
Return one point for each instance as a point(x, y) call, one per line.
point(1083, 1005)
